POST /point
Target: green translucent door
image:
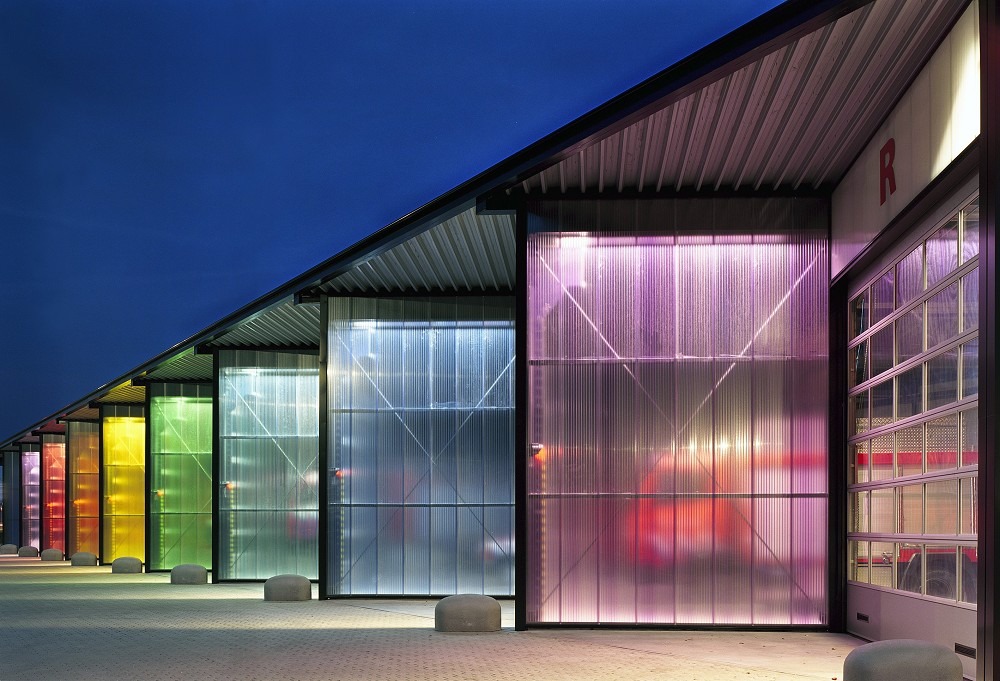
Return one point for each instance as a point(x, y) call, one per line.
point(180, 510)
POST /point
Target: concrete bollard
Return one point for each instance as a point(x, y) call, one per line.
point(52, 554)
point(467, 612)
point(287, 588)
point(8, 549)
point(27, 552)
point(126, 565)
point(902, 659)
point(83, 558)
point(189, 573)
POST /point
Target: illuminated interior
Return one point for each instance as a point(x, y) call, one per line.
point(677, 415)
point(84, 486)
point(180, 423)
point(124, 447)
point(53, 510)
point(31, 512)
point(268, 464)
point(421, 441)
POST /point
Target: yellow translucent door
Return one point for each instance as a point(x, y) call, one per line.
point(124, 443)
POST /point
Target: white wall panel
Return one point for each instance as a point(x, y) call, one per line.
point(933, 123)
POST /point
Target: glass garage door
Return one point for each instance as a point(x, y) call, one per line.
point(913, 417)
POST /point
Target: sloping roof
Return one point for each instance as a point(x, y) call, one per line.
point(186, 366)
point(796, 117)
point(769, 77)
point(126, 393)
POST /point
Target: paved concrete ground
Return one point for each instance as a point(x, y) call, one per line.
point(61, 622)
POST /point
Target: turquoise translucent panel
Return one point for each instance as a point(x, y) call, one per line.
point(268, 464)
point(180, 423)
point(83, 487)
point(677, 412)
point(421, 446)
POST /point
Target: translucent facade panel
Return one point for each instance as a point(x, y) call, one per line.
point(180, 523)
point(123, 443)
point(882, 514)
point(53, 520)
point(857, 364)
point(31, 498)
point(268, 464)
point(678, 432)
point(421, 398)
point(11, 497)
point(83, 452)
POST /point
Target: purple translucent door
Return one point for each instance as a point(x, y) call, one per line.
point(678, 400)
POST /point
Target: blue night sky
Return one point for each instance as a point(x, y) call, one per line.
point(164, 163)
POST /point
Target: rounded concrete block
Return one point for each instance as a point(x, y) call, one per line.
point(287, 588)
point(83, 558)
point(902, 659)
point(8, 549)
point(52, 554)
point(189, 573)
point(126, 565)
point(27, 552)
point(467, 612)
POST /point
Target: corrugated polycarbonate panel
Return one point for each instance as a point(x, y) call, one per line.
point(31, 501)
point(12, 498)
point(123, 440)
point(84, 487)
point(677, 413)
point(269, 464)
point(180, 523)
point(421, 443)
point(54, 492)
